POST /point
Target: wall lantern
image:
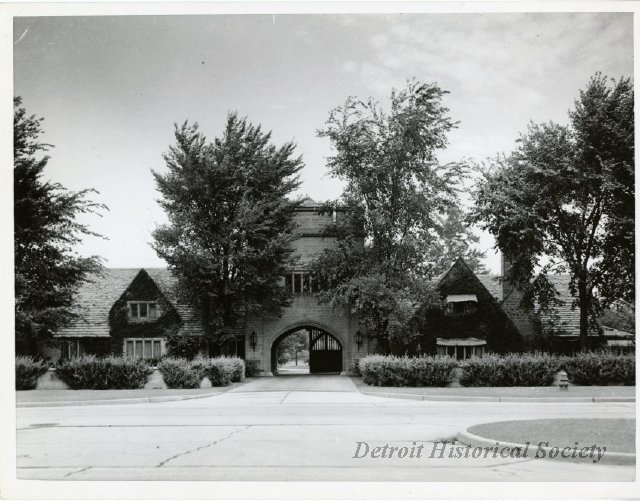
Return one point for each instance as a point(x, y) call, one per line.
point(253, 340)
point(359, 339)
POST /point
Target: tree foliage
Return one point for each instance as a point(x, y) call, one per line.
point(48, 271)
point(457, 239)
point(230, 221)
point(294, 347)
point(392, 207)
point(563, 201)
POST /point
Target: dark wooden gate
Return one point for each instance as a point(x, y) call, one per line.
point(325, 353)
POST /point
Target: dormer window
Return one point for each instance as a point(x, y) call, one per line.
point(142, 311)
point(461, 304)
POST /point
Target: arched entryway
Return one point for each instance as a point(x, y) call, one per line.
point(325, 350)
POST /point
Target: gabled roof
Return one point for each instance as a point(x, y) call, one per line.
point(94, 300)
point(492, 284)
point(166, 282)
point(564, 315)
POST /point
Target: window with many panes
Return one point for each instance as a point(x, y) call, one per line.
point(142, 311)
point(300, 282)
point(144, 347)
point(69, 348)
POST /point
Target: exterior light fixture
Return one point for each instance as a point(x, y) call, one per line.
point(253, 340)
point(359, 339)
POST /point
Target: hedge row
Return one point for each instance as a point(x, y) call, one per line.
point(28, 370)
point(182, 373)
point(601, 368)
point(89, 372)
point(510, 370)
point(378, 370)
point(597, 368)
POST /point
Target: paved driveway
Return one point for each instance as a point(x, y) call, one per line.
point(298, 430)
point(298, 383)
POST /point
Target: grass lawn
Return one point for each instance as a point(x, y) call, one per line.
point(617, 435)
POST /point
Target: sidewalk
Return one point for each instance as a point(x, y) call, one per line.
point(57, 398)
point(505, 394)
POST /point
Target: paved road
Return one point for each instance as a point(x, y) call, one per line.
point(302, 428)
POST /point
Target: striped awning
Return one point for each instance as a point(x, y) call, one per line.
point(461, 298)
point(467, 341)
point(619, 342)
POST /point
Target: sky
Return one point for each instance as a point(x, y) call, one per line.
point(111, 87)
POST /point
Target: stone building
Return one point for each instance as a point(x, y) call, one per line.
point(135, 312)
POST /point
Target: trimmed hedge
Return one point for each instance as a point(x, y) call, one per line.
point(601, 368)
point(183, 373)
point(28, 370)
point(379, 370)
point(510, 370)
point(238, 369)
point(180, 373)
point(89, 372)
point(221, 371)
point(595, 368)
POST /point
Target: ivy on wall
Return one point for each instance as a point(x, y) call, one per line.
point(487, 322)
point(142, 288)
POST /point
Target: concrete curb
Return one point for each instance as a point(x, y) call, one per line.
point(467, 398)
point(117, 401)
point(608, 458)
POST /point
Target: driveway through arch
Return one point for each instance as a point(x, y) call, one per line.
point(325, 349)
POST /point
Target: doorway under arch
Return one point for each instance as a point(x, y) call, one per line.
point(325, 350)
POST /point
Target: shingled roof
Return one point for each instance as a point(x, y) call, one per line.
point(95, 299)
point(492, 284)
point(565, 317)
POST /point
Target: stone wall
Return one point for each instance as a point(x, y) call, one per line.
point(305, 311)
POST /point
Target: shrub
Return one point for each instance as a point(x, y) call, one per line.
point(251, 367)
point(601, 368)
point(109, 373)
point(28, 370)
point(238, 369)
point(180, 373)
point(510, 370)
point(183, 346)
point(220, 370)
point(379, 370)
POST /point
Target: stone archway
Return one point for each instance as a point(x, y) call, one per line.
point(325, 348)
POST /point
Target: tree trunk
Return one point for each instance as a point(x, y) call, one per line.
point(584, 303)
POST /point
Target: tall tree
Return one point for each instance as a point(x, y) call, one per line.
point(47, 269)
point(230, 221)
point(457, 239)
point(391, 209)
point(563, 201)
